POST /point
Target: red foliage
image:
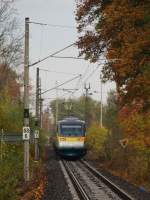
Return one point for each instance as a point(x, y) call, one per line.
point(9, 82)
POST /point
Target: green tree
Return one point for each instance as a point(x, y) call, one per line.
point(111, 122)
point(95, 140)
point(110, 110)
point(77, 109)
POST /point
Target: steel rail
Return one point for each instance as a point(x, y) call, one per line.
point(79, 188)
point(120, 192)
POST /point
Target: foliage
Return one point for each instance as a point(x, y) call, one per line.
point(118, 30)
point(136, 127)
point(110, 111)
point(11, 106)
point(10, 38)
point(133, 162)
point(11, 115)
point(9, 80)
point(42, 141)
point(78, 109)
point(110, 120)
point(11, 166)
point(95, 139)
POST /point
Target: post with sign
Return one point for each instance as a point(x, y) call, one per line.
point(26, 128)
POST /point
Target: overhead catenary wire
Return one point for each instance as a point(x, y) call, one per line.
point(41, 44)
point(52, 71)
point(63, 57)
point(76, 87)
point(86, 71)
point(53, 25)
point(92, 73)
point(75, 58)
point(59, 51)
point(80, 80)
point(51, 55)
point(89, 76)
point(80, 76)
point(61, 84)
point(69, 57)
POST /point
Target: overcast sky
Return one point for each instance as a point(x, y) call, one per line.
point(45, 40)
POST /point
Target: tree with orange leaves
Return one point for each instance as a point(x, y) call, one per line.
point(118, 30)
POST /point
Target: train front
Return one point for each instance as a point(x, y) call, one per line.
point(71, 138)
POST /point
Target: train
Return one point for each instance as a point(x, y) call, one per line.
point(69, 138)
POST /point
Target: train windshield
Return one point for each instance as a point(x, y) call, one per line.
point(72, 130)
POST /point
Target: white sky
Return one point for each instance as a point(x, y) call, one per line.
point(45, 40)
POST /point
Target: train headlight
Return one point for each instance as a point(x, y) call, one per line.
point(62, 139)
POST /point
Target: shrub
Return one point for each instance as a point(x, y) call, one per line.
point(95, 139)
point(11, 167)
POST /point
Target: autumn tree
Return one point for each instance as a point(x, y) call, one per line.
point(119, 31)
point(11, 107)
point(10, 83)
point(46, 121)
point(10, 36)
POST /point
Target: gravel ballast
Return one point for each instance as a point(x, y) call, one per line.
point(56, 187)
point(134, 191)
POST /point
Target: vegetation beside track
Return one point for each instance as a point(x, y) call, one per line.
point(127, 113)
point(12, 185)
point(11, 155)
point(128, 64)
point(95, 140)
point(131, 162)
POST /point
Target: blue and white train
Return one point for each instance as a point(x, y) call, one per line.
point(70, 137)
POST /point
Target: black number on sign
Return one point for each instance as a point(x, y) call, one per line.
point(26, 130)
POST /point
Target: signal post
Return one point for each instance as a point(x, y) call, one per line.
point(26, 128)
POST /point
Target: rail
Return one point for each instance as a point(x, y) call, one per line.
point(79, 188)
point(121, 193)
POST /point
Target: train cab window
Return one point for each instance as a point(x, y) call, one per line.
point(72, 130)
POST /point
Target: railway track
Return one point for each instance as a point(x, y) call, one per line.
point(76, 183)
point(121, 193)
point(89, 184)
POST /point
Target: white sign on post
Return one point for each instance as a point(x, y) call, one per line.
point(124, 142)
point(26, 133)
point(36, 134)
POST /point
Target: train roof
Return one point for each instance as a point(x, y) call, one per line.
point(71, 120)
